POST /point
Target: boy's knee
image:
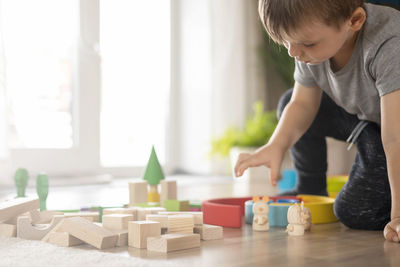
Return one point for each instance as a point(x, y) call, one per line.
point(283, 101)
point(352, 215)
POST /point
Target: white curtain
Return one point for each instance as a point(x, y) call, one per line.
point(3, 147)
point(218, 74)
point(5, 170)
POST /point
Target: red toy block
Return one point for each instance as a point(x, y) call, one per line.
point(225, 212)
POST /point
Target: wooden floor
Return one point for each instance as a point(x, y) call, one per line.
point(325, 245)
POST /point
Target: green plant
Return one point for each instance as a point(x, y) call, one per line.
point(257, 131)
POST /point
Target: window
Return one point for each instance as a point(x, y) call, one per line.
point(39, 46)
point(87, 84)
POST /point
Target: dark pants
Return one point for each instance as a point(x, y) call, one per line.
point(364, 202)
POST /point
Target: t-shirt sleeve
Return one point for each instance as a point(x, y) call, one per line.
point(386, 67)
point(303, 75)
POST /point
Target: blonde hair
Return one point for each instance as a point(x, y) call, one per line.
point(285, 16)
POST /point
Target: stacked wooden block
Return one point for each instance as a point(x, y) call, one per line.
point(153, 228)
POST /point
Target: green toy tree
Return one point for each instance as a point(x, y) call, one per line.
point(21, 177)
point(42, 189)
point(153, 175)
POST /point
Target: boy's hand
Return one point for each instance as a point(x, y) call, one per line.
point(392, 230)
point(269, 156)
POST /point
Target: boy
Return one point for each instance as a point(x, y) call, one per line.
point(347, 75)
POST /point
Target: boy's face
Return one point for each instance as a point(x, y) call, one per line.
point(317, 42)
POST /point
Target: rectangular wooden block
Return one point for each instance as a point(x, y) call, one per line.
point(88, 232)
point(137, 192)
point(8, 230)
point(197, 215)
point(142, 212)
point(156, 210)
point(182, 223)
point(92, 216)
point(209, 232)
point(131, 210)
point(116, 221)
point(168, 190)
point(139, 231)
point(176, 205)
point(162, 219)
point(63, 239)
point(122, 239)
point(12, 208)
point(172, 242)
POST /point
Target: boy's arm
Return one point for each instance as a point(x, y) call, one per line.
point(296, 118)
point(390, 123)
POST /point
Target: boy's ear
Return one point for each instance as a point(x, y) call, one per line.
point(357, 19)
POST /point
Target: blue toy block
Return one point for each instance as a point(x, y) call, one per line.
point(248, 211)
point(288, 181)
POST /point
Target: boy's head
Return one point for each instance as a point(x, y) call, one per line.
point(312, 30)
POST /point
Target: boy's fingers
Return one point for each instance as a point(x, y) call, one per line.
point(241, 167)
point(274, 173)
point(390, 234)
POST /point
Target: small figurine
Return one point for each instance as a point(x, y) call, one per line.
point(260, 210)
point(307, 217)
point(299, 219)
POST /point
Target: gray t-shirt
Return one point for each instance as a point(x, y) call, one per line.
point(372, 71)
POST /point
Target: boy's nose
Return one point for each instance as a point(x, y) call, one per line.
point(294, 51)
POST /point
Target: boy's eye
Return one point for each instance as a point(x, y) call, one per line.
point(308, 45)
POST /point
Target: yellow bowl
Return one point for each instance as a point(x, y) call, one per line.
point(335, 183)
point(321, 208)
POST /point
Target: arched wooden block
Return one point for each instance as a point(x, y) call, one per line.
point(26, 230)
point(225, 212)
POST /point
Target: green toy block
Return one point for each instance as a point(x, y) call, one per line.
point(176, 205)
point(42, 189)
point(148, 204)
point(21, 177)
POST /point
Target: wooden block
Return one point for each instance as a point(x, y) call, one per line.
point(139, 231)
point(142, 212)
point(176, 205)
point(63, 239)
point(34, 216)
point(43, 216)
point(181, 223)
point(209, 232)
point(26, 230)
point(116, 221)
point(92, 216)
point(137, 192)
point(130, 210)
point(172, 242)
point(162, 219)
point(8, 230)
point(156, 210)
point(89, 232)
point(168, 190)
point(197, 215)
point(14, 207)
point(122, 239)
